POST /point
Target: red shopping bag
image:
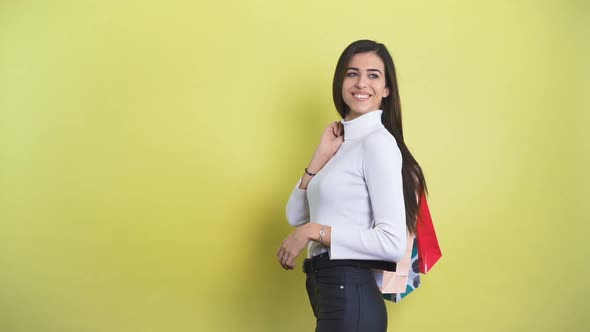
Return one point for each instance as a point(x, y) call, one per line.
point(421, 254)
point(428, 249)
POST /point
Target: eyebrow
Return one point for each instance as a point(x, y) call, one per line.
point(370, 69)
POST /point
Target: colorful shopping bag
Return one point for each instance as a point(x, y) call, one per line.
point(395, 285)
point(422, 253)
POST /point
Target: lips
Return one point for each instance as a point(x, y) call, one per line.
point(360, 96)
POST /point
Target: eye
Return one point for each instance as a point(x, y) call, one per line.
point(373, 76)
point(351, 74)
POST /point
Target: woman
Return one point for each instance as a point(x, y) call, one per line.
point(356, 201)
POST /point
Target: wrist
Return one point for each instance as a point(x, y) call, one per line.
point(316, 164)
point(322, 235)
point(312, 231)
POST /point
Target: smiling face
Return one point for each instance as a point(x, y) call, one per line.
point(364, 84)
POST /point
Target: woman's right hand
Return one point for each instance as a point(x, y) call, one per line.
point(331, 139)
point(330, 142)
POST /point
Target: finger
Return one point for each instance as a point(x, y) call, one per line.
point(284, 261)
point(336, 128)
point(280, 251)
point(281, 247)
point(284, 255)
point(285, 265)
point(291, 262)
point(281, 254)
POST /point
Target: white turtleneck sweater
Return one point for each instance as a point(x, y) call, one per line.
point(359, 193)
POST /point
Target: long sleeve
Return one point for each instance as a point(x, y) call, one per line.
point(386, 240)
point(297, 207)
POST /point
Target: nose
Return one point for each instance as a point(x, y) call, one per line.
point(361, 82)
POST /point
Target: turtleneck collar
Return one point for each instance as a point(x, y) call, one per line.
point(362, 125)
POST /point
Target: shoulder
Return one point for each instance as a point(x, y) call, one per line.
point(380, 142)
point(381, 155)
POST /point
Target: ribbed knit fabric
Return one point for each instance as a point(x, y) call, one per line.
point(359, 193)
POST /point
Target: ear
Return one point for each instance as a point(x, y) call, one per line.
point(385, 92)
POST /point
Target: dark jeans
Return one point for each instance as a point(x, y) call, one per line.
point(346, 299)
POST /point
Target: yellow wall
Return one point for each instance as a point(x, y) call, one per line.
point(147, 150)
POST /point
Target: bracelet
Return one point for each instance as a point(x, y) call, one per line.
point(309, 173)
point(322, 234)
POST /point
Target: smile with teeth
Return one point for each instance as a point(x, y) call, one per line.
point(361, 96)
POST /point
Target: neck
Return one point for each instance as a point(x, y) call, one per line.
point(361, 124)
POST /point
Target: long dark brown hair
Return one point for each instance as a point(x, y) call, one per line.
point(413, 178)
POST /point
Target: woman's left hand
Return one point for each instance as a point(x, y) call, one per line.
point(292, 246)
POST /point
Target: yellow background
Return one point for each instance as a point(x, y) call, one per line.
point(147, 150)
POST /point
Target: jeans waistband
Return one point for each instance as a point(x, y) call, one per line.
point(323, 261)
